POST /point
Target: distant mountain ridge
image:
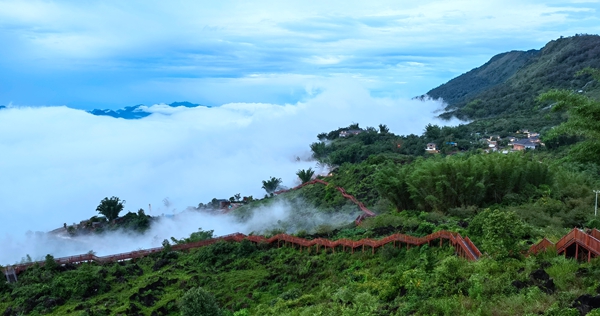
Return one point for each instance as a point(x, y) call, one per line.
point(510, 82)
point(137, 111)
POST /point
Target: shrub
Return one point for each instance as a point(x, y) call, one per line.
point(198, 302)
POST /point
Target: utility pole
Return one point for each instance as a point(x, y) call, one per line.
point(596, 207)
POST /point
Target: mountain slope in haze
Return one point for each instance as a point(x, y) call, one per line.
point(510, 82)
point(494, 72)
point(137, 111)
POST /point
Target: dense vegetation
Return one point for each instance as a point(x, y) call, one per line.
point(509, 83)
point(503, 202)
point(248, 279)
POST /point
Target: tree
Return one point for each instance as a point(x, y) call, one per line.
point(50, 264)
point(383, 129)
point(110, 207)
point(502, 232)
point(305, 175)
point(271, 185)
point(199, 302)
point(583, 121)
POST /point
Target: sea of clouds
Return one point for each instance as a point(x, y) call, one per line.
point(57, 163)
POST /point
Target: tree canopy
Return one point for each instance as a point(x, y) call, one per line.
point(110, 207)
point(305, 175)
point(271, 185)
point(199, 302)
point(583, 119)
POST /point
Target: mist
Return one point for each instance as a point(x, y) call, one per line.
point(57, 163)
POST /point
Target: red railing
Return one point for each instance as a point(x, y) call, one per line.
point(590, 242)
point(464, 247)
point(361, 206)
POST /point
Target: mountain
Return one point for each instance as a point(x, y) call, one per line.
point(137, 111)
point(510, 82)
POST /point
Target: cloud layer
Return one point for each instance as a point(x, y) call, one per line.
point(58, 163)
point(114, 53)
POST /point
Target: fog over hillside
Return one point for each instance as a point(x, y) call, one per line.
point(57, 163)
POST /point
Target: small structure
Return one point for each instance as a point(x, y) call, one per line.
point(431, 147)
point(11, 274)
point(224, 204)
point(524, 144)
point(350, 132)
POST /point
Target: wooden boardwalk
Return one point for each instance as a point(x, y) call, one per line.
point(462, 245)
point(361, 206)
point(576, 244)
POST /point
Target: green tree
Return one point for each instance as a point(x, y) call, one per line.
point(391, 183)
point(383, 129)
point(271, 185)
point(305, 175)
point(583, 120)
point(198, 302)
point(49, 263)
point(319, 150)
point(501, 232)
point(110, 207)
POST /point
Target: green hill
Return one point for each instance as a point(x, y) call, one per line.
point(509, 83)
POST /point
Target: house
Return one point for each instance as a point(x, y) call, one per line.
point(350, 132)
point(451, 143)
point(223, 203)
point(431, 147)
point(524, 144)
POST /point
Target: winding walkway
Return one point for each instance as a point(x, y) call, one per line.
point(576, 244)
point(361, 206)
point(462, 245)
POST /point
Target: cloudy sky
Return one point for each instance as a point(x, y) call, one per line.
point(277, 73)
point(110, 54)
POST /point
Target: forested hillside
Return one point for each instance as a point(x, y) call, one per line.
point(510, 82)
point(472, 179)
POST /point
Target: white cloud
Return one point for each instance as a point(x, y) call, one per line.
point(58, 163)
point(81, 51)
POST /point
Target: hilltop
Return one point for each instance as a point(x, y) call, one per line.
point(509, 83)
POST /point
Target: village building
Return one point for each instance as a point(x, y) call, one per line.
point(431, 147)
point(523, 144)
point(350, 132)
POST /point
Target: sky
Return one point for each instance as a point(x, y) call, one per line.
point(111, 54)
point(276, 74)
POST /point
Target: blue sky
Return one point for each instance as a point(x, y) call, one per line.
point(110, 54)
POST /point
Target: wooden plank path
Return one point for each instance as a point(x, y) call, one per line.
point(576, 244)
point(361, 206)
point(462, 245)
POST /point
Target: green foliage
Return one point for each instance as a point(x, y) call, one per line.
point(110, 207)
point(441, 184)
point(391, 182)
point(305, 175)
point(49, 263)
point(195, 236)
point(583, 121)
point(500, 232)
point(509, 83)
point(271, 185)
point(199, 302)
point(135, 222)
